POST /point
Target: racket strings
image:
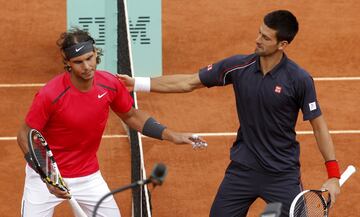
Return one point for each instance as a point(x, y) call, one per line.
point(39, 152)
point(44, 160)
point(311, 204)
point(43, 157)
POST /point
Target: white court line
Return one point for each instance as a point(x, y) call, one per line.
point(10, 138)
point(297, 132)
point(23, 85)
point(114, 136)
point(337, 78)
point(316, 79)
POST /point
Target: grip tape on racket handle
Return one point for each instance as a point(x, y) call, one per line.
point(76, 208)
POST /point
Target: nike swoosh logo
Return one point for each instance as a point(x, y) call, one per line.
point(100, 96)
point(78, 49)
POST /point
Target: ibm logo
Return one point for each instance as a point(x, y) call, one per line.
point(97, 23)
point(138, 29)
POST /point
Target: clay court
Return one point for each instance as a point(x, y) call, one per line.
point(195, 34)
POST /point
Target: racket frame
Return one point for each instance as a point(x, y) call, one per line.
point(59, 182)
point(319, 193)
point(344, 177)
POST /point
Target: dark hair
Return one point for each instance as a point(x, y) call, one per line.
point(75, 36)
point(284, 23)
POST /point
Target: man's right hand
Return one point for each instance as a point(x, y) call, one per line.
point(128, 81)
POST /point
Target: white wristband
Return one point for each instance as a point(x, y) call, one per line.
point(142, 84)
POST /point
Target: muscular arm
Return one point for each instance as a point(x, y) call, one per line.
point(176, 83)
point(22, 138)
point(323, 138)
point(134, 119)
point(180, 83)
point(137, 118)
point(327, 150)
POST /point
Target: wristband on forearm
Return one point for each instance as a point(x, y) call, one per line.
point(142, 84)
point(332, 168)
point(153, 129)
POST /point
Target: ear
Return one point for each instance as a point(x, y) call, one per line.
point(282, 45)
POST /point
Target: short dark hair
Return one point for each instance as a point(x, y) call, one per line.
point(75, 36)
point(284, 23)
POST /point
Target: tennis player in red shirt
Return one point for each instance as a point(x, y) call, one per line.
point(71, 111)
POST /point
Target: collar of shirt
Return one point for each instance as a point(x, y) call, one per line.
point(275, 71)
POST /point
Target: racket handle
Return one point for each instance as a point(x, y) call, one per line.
point(348, 172)
point(76, 208)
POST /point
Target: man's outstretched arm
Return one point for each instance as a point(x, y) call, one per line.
point(180, 83)
point(148, 126)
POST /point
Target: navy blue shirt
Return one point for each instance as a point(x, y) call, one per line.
point(268, 107)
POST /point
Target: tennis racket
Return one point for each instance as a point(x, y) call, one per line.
point(45, 164)
point(316, 203)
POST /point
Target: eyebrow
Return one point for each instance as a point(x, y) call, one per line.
point(264, 35)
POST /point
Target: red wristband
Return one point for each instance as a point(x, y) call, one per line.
point(332, 168)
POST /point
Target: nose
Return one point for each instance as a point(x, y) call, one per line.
point(258, 38)
point(86, 65)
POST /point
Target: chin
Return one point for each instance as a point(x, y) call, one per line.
point(88, 76)
point(260, 53)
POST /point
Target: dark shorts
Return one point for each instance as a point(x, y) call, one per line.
point(241, 186)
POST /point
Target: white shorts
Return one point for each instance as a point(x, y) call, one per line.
point(87, 190)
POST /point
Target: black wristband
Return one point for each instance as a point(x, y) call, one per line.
point(153, 129)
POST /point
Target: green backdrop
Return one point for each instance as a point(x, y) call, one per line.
point(99, 17)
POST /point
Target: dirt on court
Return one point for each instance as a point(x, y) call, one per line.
point(195, 34)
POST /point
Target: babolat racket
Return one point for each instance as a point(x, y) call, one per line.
point(316, 203)
point(45, 165)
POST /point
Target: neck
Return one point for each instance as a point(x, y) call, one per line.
point(267, 63)
point(81, 84)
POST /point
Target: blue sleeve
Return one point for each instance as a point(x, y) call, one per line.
point(215, 74)
point(307, 98)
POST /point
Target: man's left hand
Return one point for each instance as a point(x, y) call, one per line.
point(333, 187)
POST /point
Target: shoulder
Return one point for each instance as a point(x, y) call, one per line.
point(55, 86)
point(105, 77)
point(107, 80)
point(299, 77)
point(296, 72)
point(240, 60)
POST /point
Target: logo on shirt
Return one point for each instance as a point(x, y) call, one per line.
point(277, 89)
point(101, 95)
point(312, 106)
point(209, 67)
